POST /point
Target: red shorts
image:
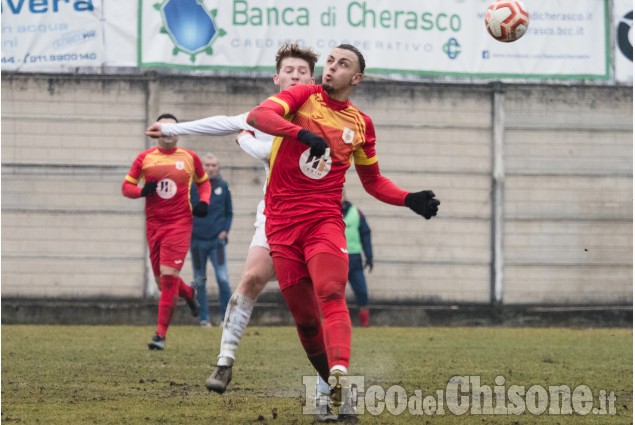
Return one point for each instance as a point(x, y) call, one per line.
point(168, 244)
point(298, 241)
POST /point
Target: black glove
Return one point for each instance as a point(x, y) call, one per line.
point(317, 144)
point(423, 203)
point(148, 188)
point(369, 265)
point(200, 210)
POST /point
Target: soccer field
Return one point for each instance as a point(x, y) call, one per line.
point(106, 375)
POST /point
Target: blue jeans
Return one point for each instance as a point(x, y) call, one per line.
point(357, 279)
point(215, 251)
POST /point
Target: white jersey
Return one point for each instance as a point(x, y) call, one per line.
point(259, 148)
point(216, 126)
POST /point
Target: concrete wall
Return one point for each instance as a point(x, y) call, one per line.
point(68, 141)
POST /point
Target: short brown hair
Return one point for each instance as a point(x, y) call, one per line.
point(293, 50)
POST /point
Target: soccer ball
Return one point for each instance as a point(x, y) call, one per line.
point(507, 20)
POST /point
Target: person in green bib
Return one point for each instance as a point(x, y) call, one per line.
point(358, 240)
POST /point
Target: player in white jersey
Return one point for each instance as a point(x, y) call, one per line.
point(294, 65)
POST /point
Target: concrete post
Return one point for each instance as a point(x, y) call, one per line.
point(153, 102)
point(498, 193)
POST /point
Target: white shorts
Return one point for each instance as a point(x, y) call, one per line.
point(260, 239)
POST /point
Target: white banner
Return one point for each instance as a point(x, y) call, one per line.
point(41, 36)
point(120, 19)
point(623, 27)
point(567, 39)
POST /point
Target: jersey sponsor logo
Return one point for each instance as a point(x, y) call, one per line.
point(180, 165)
point(166, 188)
point(348, 135)
point(313, 167)
point(218, 191)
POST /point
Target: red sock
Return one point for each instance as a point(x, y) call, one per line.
point(303, 306)
point(363, 317)
point(167, 302)
point(329, 274)
point(185, 290)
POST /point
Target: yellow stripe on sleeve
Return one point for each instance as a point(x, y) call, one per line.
point(275, 147)
point(202, 179)
point(281, 103)
point(360, 157)
point(131, 180)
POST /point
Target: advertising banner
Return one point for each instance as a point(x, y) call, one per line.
point(43, 36)
point(567, 39)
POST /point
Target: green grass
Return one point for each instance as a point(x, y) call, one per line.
point(105, 374)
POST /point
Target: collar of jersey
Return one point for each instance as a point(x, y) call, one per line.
point(333, 103)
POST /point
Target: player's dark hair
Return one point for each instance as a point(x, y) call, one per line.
point(293, 50)
point(360, 57)
point(168, 116)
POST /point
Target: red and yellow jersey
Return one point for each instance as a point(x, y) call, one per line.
point(301, 186)
point(174, 170)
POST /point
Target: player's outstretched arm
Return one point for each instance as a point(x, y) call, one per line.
point(268, 117)
point(219, 125)
point(259, 149)
point(154, 130)
point(423, 203)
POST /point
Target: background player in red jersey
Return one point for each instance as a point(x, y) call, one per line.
point(168, 172)
point(294, 65)
point(304, 224)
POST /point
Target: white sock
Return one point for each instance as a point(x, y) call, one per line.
point(236, 318)
point(340, 368)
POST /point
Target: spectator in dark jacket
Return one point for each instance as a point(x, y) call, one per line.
point(209, 239)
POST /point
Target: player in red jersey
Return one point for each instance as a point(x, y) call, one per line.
point(168, 172)
point(304, 224)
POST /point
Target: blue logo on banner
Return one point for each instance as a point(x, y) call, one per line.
point(452, 48)
point(191, 27)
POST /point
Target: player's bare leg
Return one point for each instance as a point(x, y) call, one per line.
point(258, 270)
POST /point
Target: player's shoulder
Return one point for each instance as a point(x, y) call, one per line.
point(147, 152)
point(304, 89)
point(354, 107)
point(367, 119)
point(187, 152)
point(150, 150)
